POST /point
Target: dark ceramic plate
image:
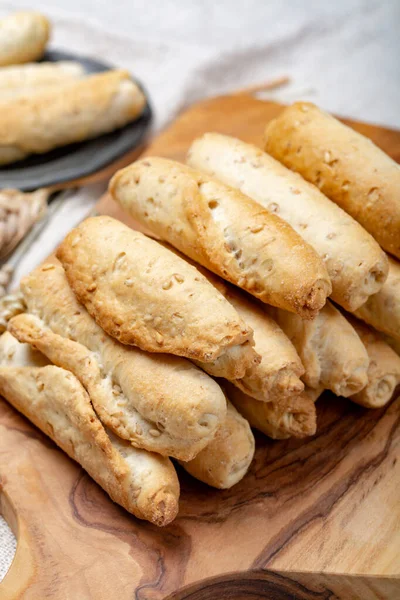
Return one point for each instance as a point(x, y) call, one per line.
point(76, 160)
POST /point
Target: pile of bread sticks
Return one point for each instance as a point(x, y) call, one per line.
point(117, 353)
point(45, 105)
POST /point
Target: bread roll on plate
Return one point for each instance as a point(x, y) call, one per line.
point(23, 37)
point(383, 370)
point(143, 294)
point(226, 459)
point(158, 402)
point(333, 355)
point(346, 166)
point(33, 78)
point(143, 483)
point(356, 264)
point(294, 417)
point(224, 231)
point(72, 113)
point(382, 310)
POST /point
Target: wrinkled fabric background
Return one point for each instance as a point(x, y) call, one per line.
point(342, 55)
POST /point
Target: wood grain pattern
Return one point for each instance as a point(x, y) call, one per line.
point(313, 519)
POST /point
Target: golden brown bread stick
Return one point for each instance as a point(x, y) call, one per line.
point(346, 166)
point(109, 401)
point(143, 294)
point(294, 417)
point(78, 111)
point(159, 402)
point(383, 370)
point(356, 264)
point(224, 231)
point(23, 37)
point(75, 358)
point(277, 375)
point(331, 351)
point(382, 310)
point(143, 483)
point(226, 459)
point(234, 363)
point(33, 78)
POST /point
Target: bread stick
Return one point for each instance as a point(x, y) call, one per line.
point(234, 363)
point(224, 231)
point(383, 370)
point(143, 483)
point(295, 417)
point(346, 166)
point(23, 37)
point(355, 263)
point(76, 112)
point(277, 376)
point(226, 459)
point(33, 78)
point(331, 351)
point(382, 310)
point(143, 294)
point(158, 402)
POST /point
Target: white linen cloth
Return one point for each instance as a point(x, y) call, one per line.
point(341, 55)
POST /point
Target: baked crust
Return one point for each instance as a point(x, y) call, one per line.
point(67, 114)
point(277, 376)
point(382, 310)
point(143, 483)
point(143, 294)
point(383, 370)
point(346, 166)
point(333, 355)
point(226, 459)
point(23, 37)
point(17, 81)
point(224, 231)
point(295, 417)
point(355, 263)
point(159, 402)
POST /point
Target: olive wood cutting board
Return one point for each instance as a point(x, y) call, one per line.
point(316, 519)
